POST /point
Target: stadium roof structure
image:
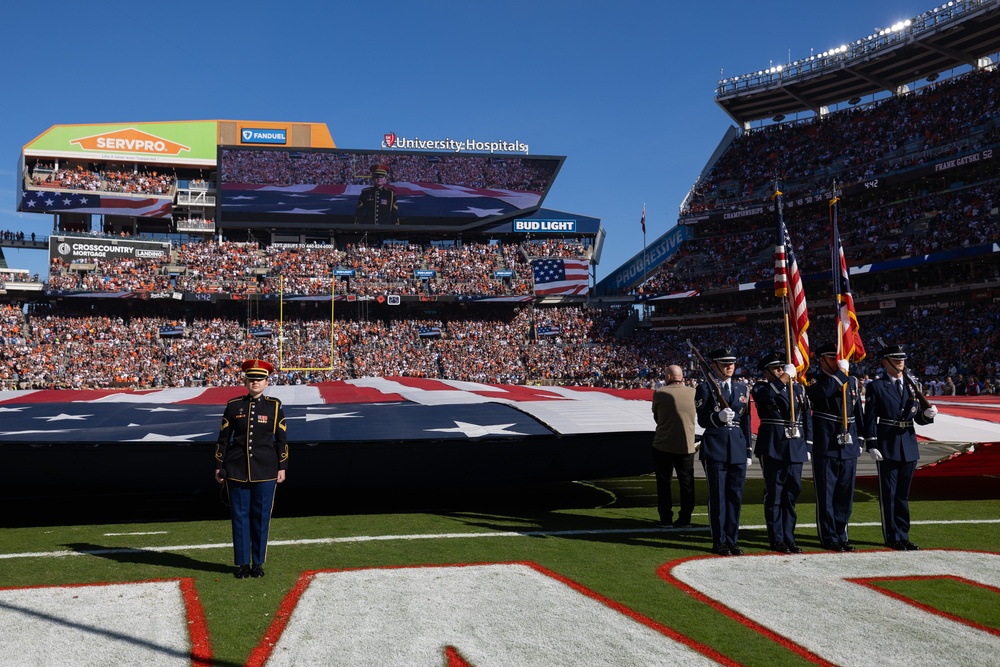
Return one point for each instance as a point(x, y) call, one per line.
point(961, 33)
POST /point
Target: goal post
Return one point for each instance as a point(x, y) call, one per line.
point(301, 343)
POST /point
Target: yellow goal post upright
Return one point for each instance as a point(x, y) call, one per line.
point(281, 330)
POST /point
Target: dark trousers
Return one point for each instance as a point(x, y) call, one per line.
point(250, 505)
point(894, 480)
point(725, 498)
point(834, 482)
point(782, 485)
point(665, 464)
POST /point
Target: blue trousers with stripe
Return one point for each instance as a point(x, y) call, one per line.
point(250, 505)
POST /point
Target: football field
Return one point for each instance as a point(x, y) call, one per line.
point(562, 574)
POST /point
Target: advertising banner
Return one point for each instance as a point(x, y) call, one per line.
point(71, 249)
point(192, 143)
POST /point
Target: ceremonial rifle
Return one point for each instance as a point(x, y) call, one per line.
point(706, 370)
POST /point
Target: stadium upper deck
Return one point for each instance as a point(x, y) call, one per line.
point(891, 60)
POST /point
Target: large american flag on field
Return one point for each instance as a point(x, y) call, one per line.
point(559, 276)
point(44, 201)
point(849, 345)
point(788, 286)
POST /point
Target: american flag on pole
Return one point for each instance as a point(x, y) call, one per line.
point(558, 276)
point(849, 345)
point(788, 286)
point(643, 221)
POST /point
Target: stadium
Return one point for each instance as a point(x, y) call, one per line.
point(471, 408)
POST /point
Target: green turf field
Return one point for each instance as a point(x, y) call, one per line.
point(600, 535)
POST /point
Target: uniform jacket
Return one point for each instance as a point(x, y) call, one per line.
point(673, 411)
point(889, 420)
point(825, 395)
point(377, 206)
point(774, 413)
point(252, 444)
point(719, 442)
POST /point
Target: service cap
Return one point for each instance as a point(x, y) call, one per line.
point(724, 355)
point(892, 352)
point(256, 369)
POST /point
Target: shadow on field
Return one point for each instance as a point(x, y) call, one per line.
point(145, 557)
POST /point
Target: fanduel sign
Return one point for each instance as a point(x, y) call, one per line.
point(253, 135)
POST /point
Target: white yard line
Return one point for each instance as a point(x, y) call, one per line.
point(445, 536)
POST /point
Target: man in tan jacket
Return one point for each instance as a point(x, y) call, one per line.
point(673, 447)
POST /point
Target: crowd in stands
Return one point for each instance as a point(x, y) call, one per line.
point(320, 168)
point(902, 131)
point(246, 268)
point(121, 180)
point(569, 345)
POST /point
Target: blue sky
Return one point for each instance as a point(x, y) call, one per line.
point(624, 89)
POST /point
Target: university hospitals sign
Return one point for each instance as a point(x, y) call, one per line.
point(391, 140)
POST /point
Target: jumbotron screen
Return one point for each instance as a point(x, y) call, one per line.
point(372, 189)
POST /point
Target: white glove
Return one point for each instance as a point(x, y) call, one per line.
point(931, 412)
point(789, 370)
point(749, 462)
point(727, 415)
point(809, 456)
point(875, 454)
point(843, 365)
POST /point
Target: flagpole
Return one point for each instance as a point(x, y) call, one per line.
point(791, 431)
point(645, 268)
point(835, 268)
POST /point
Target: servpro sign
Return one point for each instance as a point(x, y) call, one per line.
point(192, 142)
point(131, 140)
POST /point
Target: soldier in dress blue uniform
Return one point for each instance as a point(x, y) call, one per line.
point(835, 449)
point(377, 204)
point(251, 457)
point(782, 447)
point(725, 449)
point(891, 409)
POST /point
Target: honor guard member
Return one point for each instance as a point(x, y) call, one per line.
point(251, 457)
point(725, 449)
point(782, 447)
point(835, 449)
point(891, 410)
point(377, 204)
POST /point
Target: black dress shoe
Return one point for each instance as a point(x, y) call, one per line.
point(681, 523)
point(242, 572)
point(898, 546)
point(257, 572)
point(848, 547)
point(735, 550)
point(834, 546)
point(781, 548)
point(794, 548)
point(910, 546)
point(721, 550)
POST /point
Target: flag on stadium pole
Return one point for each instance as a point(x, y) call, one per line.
point(560, 277)
point(849, 345)
point(643, 221)
point(788, 286)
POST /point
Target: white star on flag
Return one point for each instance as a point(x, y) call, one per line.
point(316, 417)
point(63, 417)
point(481, 212)
point(159, 437)
point(476, 430)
